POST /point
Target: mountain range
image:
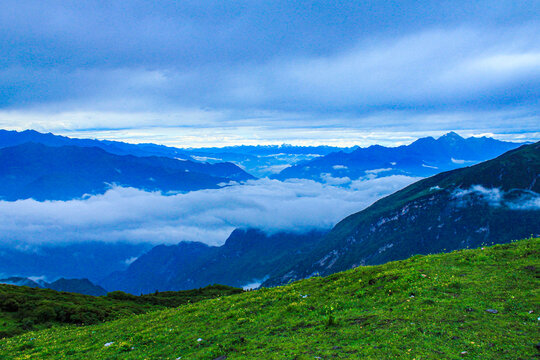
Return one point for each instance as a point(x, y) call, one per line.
point(41, 172)
point(13, 138)
point(246, 259)
point(424, 157)
point(451, 210)
point(79, 286)
point(93, 259)
point(260, 160)
point(492, 202)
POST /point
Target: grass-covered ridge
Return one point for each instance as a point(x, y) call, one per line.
point(426, 307)
point(23, 309)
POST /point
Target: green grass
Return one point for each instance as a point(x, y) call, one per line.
point(23, 309)
point(426, 307)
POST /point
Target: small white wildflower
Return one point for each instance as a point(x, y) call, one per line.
point(199, 340)
point(109, 344)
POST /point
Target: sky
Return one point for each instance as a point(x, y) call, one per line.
point(211, 73)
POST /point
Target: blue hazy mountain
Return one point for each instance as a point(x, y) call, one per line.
point(80, 286)
point(259, 160)
point(424, 157)
point(92, 260)
point(263, 160)
point(496, 201)
point(32, 170)
point(247, 257)
point(13, 138)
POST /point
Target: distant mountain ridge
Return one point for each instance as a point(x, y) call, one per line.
point(492, 202)
point(258, 160)
point(424, 157)
point(93, 259)
point(79, 286)
point(33, 170)
point(13, 138)
point(249, 256)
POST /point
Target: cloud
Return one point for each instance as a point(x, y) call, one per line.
point(130, 260)
point(164, 67)
point(275, 169)
point(377, 171)
point(431, 68)
point(130, 215)
point(492, 196)
point(340, 167)
point(327, 178)
point(526, 201)
point(457, 161)
point(514, 199)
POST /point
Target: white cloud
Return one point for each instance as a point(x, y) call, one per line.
point(377, 171)
point(126, 214)
point(274, 169)
point(527, 201)
point(492, 196)
point(457, 161)
point(205, 158)
point(514, 199)
point(339, 167)
point(327, 178)
point(461, 162)
point(130, 260)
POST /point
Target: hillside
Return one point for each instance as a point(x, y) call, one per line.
point(248, 256)
point(42, 172)
point(476, 304)
point(491, 202)
point(424, 157)
point(23, 308)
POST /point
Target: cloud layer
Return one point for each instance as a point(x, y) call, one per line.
point(269, 71)
point(126, 214)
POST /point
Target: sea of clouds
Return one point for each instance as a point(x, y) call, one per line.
point(208, 216)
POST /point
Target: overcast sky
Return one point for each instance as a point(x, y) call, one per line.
point(196, 73)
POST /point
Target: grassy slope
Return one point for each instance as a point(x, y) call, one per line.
point(364, 313)
point(23, 308)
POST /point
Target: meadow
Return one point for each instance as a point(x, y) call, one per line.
point(475, 304)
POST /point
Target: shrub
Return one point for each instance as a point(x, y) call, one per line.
point(45, 313)
point(120, 295)
point(9, 305)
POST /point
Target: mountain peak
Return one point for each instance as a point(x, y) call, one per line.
point(451, 136)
